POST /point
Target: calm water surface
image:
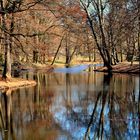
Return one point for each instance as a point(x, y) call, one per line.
point(68, 106)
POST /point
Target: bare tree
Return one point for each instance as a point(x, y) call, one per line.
point(95, 11)
point(7, 11)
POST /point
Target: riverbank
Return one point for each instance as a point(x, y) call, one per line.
point(122, 68)
point(15, 83)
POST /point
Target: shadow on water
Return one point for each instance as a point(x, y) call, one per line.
point(66, 106)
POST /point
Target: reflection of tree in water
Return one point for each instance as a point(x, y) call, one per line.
point(26, 111)
point(121, 120)
point(42, 98)
point(98, 119)
point(88, 106)
point(115, 108)
point(6, 117)
point(81, 118)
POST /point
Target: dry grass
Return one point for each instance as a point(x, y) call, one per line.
point(122, 68)
point(15, 83)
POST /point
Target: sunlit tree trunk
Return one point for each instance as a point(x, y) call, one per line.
point(7, 51)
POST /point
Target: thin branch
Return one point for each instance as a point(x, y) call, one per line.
point(20, 46)
point(15, 9)
point(28, 35)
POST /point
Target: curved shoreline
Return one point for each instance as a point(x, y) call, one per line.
point(15, 83)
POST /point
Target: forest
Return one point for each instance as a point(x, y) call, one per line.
point(69, 69)
point(49, 31)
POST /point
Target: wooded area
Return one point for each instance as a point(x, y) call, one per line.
point(43, 31)
point(78, 66)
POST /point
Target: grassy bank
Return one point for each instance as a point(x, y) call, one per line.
point(15, 83)
point(122, 68)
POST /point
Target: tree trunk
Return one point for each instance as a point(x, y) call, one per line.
point(57, 51)
point(7, 54)
point(94, 54)
point(101, 49)
point(35, 56)
point(67, 49)
point(121, 55)
point(7, 63)
point(67, 56)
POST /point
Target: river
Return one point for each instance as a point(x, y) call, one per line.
point(72, 106)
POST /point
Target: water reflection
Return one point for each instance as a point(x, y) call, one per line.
point(66, 106)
